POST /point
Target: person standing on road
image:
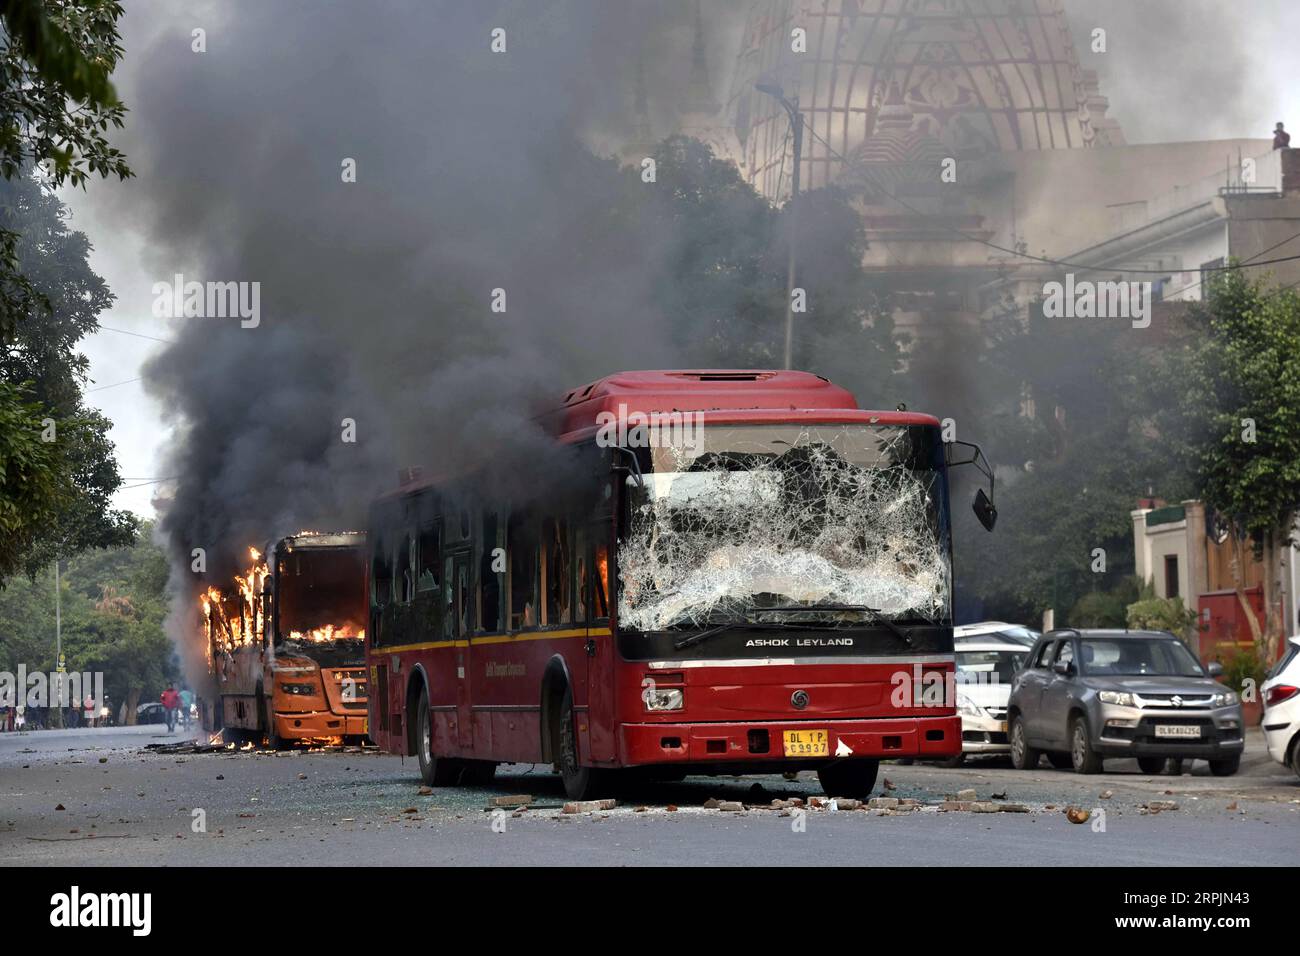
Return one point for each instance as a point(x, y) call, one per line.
point(187, 700)
point(170, 701)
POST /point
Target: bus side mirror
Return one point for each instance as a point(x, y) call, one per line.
point(984, 510)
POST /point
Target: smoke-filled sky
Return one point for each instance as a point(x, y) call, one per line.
point(466, 181)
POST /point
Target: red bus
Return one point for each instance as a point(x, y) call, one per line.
point(726, 572)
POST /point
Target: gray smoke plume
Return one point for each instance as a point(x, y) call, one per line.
point(375, 295)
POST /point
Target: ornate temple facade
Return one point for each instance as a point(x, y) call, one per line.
point(896, 93)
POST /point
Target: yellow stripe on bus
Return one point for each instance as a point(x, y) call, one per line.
point(494, 639)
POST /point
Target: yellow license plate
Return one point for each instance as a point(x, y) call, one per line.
point(807, 743)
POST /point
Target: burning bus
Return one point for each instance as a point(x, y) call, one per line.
point(739, 572)
point(285, 643)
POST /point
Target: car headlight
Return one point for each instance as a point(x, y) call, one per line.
point(1121, 697)
point(1224, 698)
point(663, 698)
point(968, 707)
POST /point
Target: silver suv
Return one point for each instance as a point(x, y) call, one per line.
point(1084, 695)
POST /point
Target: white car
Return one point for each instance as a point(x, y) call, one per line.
point(984, 671)
point(1281, 694)
point(995, 631)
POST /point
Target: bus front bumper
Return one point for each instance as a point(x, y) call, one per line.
point(764, 741)
point(319, 723)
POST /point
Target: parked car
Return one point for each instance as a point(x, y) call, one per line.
point(1281, 694)
point(151, 713)
point(1085, 695)
point(995, 631)
point(985, 669)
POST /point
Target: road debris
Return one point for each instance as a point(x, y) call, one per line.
point(588, 806)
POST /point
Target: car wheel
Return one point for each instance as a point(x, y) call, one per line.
point(1060, 761)
point(1225, 767)
point(1295, 755)
point(854, 778)
point(1082, 756)
point(434, 771)
point(1023, 756)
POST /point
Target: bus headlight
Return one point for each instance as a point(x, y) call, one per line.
point(663, 698)
point(300, 690)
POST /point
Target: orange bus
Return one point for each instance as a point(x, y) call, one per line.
point(728, 572)
point(286, 643)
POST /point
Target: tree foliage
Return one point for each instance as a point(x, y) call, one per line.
point(56, 105)
point(1242, 406)
point(113, 607)
point(55, 495)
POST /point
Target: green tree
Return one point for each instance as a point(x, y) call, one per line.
point(113, 604)
point(1242, 400)
point(1073, 411)
point(57, 471)
point(724, 249)
point(56, 105)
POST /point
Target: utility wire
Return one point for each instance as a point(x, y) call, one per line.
point(100, 388)
point(138, 335)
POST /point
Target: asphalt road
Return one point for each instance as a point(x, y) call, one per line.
point(97, 797)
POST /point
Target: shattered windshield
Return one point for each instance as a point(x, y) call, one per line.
point(851, 519)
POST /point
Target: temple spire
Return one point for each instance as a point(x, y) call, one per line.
point(699, 91)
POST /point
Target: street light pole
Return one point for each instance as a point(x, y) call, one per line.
point(796, 130)
point(59, 672)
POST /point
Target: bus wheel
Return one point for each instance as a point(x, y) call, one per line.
point(580, 783)
point(273, 738)
point(434, 771)
point(849, 778)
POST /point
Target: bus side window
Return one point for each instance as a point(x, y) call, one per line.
point(580, 574)
point(448, 601)
point(405, 576)
point(600, 580)
point(491, 573)
point(521, 547)
point(381, 576)
point(557, 572)
point(427, 559)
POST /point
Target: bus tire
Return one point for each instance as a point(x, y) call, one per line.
point(580, 783)
point(273, 739)
point(849, 777)
point(434, 771)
